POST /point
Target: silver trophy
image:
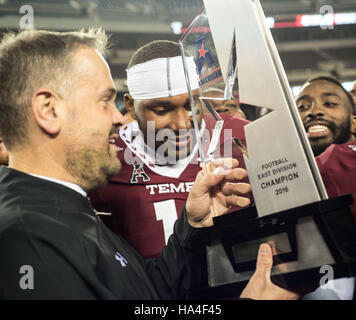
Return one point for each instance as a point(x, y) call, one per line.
point(292, 211)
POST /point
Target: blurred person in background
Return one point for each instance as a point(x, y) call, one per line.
point(126, 115)
point(221, 105)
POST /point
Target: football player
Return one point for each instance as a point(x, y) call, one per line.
point(142, 203)
point(334, 129)
point(227, 106)
point(328, 113)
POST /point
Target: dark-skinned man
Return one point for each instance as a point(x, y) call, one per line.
point(327, 112)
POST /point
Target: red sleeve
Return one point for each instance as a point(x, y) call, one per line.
point(337, 166)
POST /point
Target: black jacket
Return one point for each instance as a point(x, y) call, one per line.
point(51, 238)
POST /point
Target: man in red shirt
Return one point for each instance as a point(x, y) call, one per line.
point(148, 195)
point(328, 113)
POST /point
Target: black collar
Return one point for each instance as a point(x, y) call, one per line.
point(36, 192)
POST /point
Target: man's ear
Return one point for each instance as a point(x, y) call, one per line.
point(129, 105)
point(45, 105)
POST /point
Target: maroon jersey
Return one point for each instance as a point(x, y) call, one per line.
point(145, 199)
point(337, 165)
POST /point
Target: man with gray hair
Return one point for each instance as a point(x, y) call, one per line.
point(59, 123)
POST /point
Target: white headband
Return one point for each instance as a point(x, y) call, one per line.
point(162, 77)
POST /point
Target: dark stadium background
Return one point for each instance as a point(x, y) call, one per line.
point(305, 51)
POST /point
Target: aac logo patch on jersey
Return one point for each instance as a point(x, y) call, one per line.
point(139, 172)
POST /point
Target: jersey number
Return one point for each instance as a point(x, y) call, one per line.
point(167, 212)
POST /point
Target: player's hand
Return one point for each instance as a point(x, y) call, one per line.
point(260, 286)
point(217, 184)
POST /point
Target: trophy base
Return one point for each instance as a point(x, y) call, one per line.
point(303, 240)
